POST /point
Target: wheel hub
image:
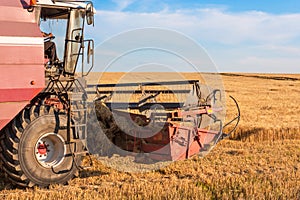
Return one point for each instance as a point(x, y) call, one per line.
point(50, 150)
point(42, 149)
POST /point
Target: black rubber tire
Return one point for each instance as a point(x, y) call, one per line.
point(18, 148)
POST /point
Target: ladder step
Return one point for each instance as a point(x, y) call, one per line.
point(78, 125)
point(77, 96)
point(80, 153)
point(78, 99)
point(74, 140)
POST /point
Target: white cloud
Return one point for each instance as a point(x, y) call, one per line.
point(212, 24)
point(239, 36)
point(122, 4)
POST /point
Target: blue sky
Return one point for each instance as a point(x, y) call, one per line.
point(239, 35)
point(271, 6)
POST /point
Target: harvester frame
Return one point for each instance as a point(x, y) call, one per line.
point(46, 140)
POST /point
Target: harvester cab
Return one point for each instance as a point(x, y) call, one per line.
point(70, 18)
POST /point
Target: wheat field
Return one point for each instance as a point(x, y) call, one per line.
point(261, 160)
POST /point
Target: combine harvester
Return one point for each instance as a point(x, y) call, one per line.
point(42, 104)
point(44, 108)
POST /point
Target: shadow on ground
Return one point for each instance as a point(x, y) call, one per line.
point(91, 173)
point(5, 184)
point(243, 135)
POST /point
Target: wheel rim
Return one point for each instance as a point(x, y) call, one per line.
point(50, 150)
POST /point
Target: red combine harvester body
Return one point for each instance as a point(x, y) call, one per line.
point(21, 59)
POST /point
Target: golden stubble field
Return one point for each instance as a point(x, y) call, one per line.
point(260, 161)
